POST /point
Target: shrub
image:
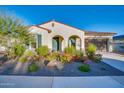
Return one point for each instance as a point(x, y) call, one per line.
point(50, 57)
point(53, 56)
point(70, 50)
point(97, 58)
point(56, 55)
point(17, 50)
point(29, 53)
point(78, 55)
point(36, 58)
point(42, 50)
point(23, 59)
point(91, 49)
point(65, 58)
point(84, 68)
point(33, 68)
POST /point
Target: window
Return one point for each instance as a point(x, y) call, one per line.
point(39, 41)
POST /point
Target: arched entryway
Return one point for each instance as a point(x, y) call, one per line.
point(57, 42)
point(74, 41)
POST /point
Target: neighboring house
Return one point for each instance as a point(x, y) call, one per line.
point(118, 44)
point(58, 36)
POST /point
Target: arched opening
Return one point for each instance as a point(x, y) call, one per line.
point(57, 43)
point(74, 41)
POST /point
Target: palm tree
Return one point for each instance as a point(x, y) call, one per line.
point(13, 31)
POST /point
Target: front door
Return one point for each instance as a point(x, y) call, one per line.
point(56, 44)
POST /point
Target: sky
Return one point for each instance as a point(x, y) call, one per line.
point(90, 18)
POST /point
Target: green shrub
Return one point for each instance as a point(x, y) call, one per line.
point(91, 49)
point(78, 54)
point(43, 50)
point(17, 50)
point(29, 53)
point(54, 56)
point(70, 50)
point(84, 68)
point(33, 68)
point(23, 59)
point(50, 57)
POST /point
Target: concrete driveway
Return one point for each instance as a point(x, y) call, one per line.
point(61, 82)
point(113, 59)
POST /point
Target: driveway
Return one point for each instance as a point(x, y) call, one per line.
point(115, 60)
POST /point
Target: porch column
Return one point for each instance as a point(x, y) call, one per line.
point(30, 47)
point(110, 46)
point(36, 40)
point(62, 45)
point(78, 44)
point(65, 42)
point(83, 44)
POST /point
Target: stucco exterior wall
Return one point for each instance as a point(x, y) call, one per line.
point(65, 31)
point(58, 29)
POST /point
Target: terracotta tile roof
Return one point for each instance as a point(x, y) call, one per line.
point(86, 32)
point(90, 33)
point(49, 31)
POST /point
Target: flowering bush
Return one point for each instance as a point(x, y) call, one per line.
point(66, 58)
point(53, 56)
point(73, 53)
point(78, 55)
point(63, 57)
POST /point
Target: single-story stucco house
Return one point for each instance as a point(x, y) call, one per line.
point(57, 36)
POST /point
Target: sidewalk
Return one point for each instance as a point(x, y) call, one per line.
point(61, 82)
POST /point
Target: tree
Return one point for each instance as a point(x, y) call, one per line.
point(13, 31)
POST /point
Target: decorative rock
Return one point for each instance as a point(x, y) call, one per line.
point(55, 64)
point(60, 65)
point(52, 63)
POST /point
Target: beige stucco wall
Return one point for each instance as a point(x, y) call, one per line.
point(58, 29)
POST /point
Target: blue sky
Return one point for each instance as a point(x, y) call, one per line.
point(91, 18)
